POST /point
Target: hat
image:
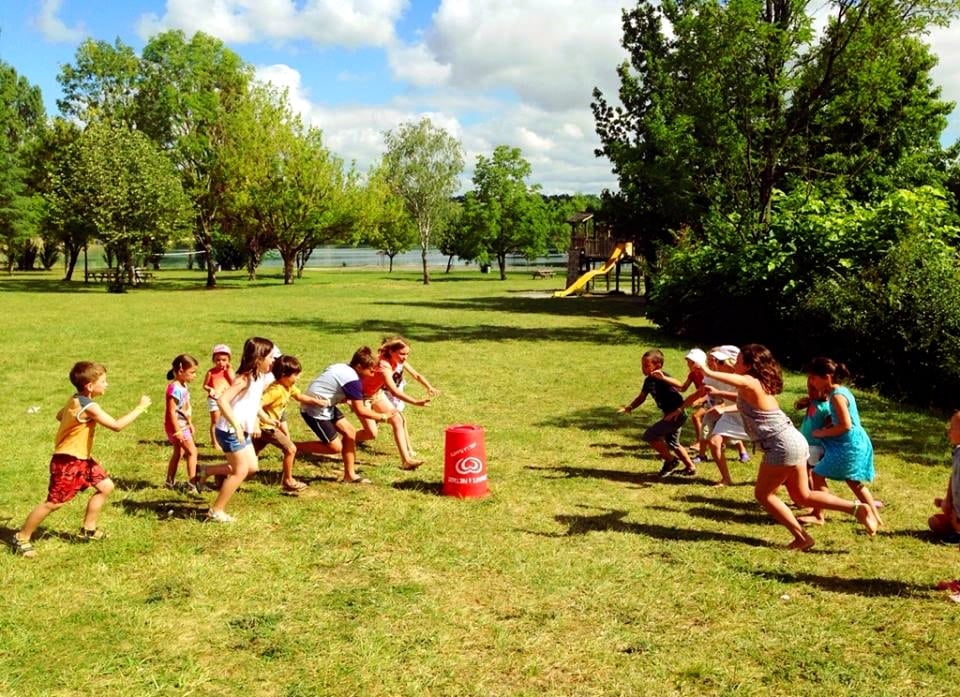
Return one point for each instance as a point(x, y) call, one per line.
point(221, 348)
point(276, 353)
point(697, 356)
point(726, 352)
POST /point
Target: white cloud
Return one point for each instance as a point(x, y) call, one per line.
point(548, 52)
point(324, 22)
point(53, 28)
point(416, 65)
point(944, 42)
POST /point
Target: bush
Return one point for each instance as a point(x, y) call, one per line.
point(876, 286)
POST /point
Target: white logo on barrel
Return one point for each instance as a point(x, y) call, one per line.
point(469, 465)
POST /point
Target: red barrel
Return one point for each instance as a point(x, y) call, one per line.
point(464, 462)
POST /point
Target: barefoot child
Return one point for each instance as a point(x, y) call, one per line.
point(218, 379)
point(847, 449)
point(384, 392)
point(72, 468)
point(178, 422)
point(757, 379)
point(946, 524)
point(273, 416)
point(340, 384)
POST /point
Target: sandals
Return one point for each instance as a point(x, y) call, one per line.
point(22, 548)
point(356, 480)
point(294, 488)
point(90, 535)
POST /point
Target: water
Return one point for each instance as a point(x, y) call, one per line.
point(367, 257)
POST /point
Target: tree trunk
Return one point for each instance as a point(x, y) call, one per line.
point(449, 262)
point(288, 266)
point(502, 263)
point(391, 256)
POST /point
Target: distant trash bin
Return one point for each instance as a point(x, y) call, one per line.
point(484, 268)
point(465, 462)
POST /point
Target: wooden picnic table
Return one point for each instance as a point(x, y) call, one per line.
point(543, 273)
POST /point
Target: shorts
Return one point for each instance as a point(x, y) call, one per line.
point(212, 404)
point(70, 475)
point(816, 454)
point(667, 430)
point(230, 443)
point(186, 434)
point(273, 437)
point(324, 429)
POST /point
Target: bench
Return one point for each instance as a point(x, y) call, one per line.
point(543, 273)
point(100, 275)
point(136, 276)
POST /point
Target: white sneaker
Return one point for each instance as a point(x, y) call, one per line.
point(220, 517)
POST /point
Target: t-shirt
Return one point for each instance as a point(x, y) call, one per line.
point(182, 413)
point(246, 405)
point(666, 396)
point(274, 402)
point(338, 383)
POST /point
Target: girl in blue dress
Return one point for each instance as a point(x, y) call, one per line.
point(848, 452)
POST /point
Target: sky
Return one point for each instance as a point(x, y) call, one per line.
point(491, 72)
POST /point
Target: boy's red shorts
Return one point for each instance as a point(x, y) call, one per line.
point(69, 476)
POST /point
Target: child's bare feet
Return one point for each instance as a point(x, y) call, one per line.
point(802, 544)
point(723, 483)
point(811, 519)
point(411, 464)
point(865, 514)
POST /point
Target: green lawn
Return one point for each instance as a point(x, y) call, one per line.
point(580, 573)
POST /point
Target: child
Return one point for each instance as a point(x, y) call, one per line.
point(816, 416)
point(664, 435)
point(239, 410)
point(384, 393)
point(697, 399)
point(217, 379)
point(339, 384)
point(178, 422)
point(847, 450)
point(757, 379)
point(946, 524)
point(72, 468)
point(273, 417)
point(726, 424)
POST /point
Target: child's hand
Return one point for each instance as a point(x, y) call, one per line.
point(938, 502)
point(623, 410)
point(433, 391)
point(422, 402)
point(658, 374)
point(145, 402)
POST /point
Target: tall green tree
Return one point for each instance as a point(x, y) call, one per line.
point(508, 215)
point(423, 164)
point(21, 118)
point(124, 189)
point(282, 182)
point(101, 83)
point(741, 98)
point(189, 89)
point(390, 229)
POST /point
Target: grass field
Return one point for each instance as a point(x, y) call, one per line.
point(580, 574)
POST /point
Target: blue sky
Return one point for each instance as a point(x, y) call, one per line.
point(515, 72)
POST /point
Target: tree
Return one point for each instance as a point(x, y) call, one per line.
point(188, 90)
point(21, 117)
point(282, 183)
point(422, 164)
point(102, 84)
point(741, 99)
point(391, 230)
point(508, 216)
point(115, 185)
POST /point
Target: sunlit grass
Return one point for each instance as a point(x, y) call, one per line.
point(580, 573)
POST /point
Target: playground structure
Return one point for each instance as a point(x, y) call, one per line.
point(595, 253)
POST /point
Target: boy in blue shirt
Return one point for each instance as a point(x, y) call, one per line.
point(664, 435)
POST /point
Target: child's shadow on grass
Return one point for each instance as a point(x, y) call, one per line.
point(720, 515)
point(134, 484)
point(613, 521)
point(866, 587)
point(567, 472)
point(166, 509)
point(420, 486)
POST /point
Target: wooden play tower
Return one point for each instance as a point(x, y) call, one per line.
point(595, 253)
